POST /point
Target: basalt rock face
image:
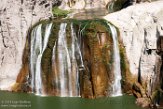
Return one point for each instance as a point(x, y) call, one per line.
point(16, 16)
point(141, 31)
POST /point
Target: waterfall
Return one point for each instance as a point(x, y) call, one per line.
point(117, 71)
point(76, 55)
point(65, 63)
point(62, 53)
point(69, 55)
point(38, 45)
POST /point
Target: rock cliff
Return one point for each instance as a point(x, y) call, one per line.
point(141, 28)
point(111, 5)
point(16, 16)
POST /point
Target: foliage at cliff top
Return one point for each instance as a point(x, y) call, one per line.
point(59, 12)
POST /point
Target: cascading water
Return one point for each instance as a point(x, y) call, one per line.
point(62, 55)
point(74, 59)
point(117, 70)
point(36, 51)
point(65, 63)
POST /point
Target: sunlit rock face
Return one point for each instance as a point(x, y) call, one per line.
point(16, 17)
point(140, 30)
point(83, 4)
point(110, 5)
point(72, 58)
point(117, 5)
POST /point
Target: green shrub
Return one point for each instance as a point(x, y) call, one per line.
point(59, 12)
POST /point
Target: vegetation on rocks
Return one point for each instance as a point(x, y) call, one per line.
point(59, 13)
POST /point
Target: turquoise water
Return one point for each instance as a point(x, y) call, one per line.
point(9, 100)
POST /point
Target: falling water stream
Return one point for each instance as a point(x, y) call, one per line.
point(65, 63)
point(117, 71)
point(37, 49)
point(67, 60)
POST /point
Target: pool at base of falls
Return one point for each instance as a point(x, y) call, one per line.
point(12, 100)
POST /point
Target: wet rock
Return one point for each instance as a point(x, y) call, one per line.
point(139, 89)
point(87, 91)
point(143, 102)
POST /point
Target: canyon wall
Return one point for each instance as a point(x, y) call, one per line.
point(16, 17)
point(140, 27)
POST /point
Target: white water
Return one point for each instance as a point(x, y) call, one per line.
point(61, 57)
point(61, 61)
point(65, 63)
point(76, 53)
point(117, 70)
point(36, 51)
